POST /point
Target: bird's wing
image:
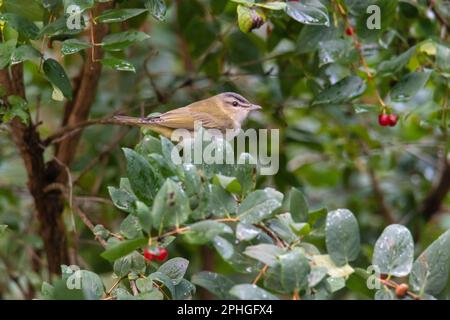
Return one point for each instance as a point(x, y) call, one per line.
point(187, 116)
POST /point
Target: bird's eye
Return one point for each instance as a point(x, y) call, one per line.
point(235, 103)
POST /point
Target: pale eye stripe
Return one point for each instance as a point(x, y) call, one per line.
point(237, 97)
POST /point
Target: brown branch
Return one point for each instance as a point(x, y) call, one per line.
point(70, 130)
point(77, 110)
point(49, 206)
point(433, 201)
point(439, 17)
point(377, 191)
point(88, 223)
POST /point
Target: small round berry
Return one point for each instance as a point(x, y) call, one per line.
point(349, 31)
point(162, 254)
point(148, 255)
point(401, 290)
point(393, 119)
point(384, 120)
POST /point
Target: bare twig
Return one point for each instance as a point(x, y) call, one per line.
point(102, 154)
point(68, 131)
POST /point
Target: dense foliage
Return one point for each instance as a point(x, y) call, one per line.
point(362, 104)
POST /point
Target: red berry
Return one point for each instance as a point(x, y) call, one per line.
point(393, 119)
point(148, 255)
point(401, 290)
point(384, 120)
point(349, 31)
point(162, 254)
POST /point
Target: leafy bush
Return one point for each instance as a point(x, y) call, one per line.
point(282, 247)
point(363, 116)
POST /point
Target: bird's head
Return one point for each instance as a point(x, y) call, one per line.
point(235, 106)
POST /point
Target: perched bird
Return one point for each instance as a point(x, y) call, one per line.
point(224, 111)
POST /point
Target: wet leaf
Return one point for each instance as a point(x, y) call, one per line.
point(394, 251)
point(342, 236)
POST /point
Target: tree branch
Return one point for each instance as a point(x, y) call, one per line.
point(49, 205)
point(433, 201)
point(77, 110)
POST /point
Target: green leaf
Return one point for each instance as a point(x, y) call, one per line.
point(245, 172)
point(395, 64)
point(296, 204)
point(384, 294)
point(6, 52)
point(165, 280)
point(443, 59)
point(311, 12)
point(335, 284)
point(191, 179)
point(118, 64)
point(310, 37)
point(171, 206)
point(251, 292)
point(409, 85)
point(266, 253)
point(333, 51)
point(223, 247)
point(143, 213)
point(29, 9)
point(18, 107)
point(248, 3)
point(47, 290)
point(316, 275)
point(157, 8)
point(431, 269)
point(58, 77)
point(294, 270)
point(231, 184)
point(82, 4)
point(342, 236)
point(246, 232)
point(119, 15)
point(123, 248)
point(122, 199)
point(249, 18)
point(274, 5)
point(141, 175)
point(205, 231)
point(23, 26)
point(184, 290)
point(130, 227)
point(219, 202)
point(215, 283)
point(72, 46)
point(394, 251)
point(91, 284)
point(24, 53)
point(259, 205)
point(342, 91)
point(133, 262)
point(122, 40)
point(174, 269)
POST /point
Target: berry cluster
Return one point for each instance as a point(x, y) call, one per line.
point(158, 254)
point(385, 120)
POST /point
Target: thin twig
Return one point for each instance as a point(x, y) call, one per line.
point(260, 274)
point(102, 154)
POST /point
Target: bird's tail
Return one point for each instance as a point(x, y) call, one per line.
point(147, 123)
point(130, 120)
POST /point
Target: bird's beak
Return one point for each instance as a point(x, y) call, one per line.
point(254, 107)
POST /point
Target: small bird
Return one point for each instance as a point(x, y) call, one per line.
point(224, 111)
